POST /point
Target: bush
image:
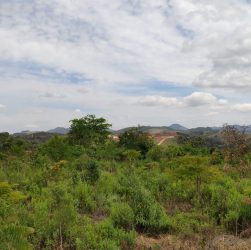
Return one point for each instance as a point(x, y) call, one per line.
point(134, 138)
point(155, 153)
point(84, 196)
point(150, 216)
point(131, 155)
point(225, 203)
point(217, 157)
point(122, 216)
point(189, 223)
point(87, 169)
point(13, 233)
point(56, 148)
point(103, 236)
point(92, 171)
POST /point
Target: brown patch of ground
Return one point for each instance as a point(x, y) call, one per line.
point(98, 216)
point(229, 242)
point(162, 137)
point(168, 242)
point(196, 242)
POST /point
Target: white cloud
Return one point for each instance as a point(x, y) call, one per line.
point(108, 41)
point(83, 90)
point(201, 99)
point(246, 107)
point(211, 113)
point(31, 126)
point(78, 53)
point(196, 99)
point(133, 41)
point(52, 95)
point(229, 50)
point(158, 100)
point(77, 111)
point(2, 106)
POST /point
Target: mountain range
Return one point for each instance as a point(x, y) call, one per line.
point(150, 129)
point(59, 130)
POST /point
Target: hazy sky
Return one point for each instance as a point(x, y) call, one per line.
point(148, 62)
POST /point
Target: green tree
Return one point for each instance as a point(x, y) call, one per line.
point(235, 145)
point(89, 131)
point(194, 168)
point(57, 148)
point(134, 138)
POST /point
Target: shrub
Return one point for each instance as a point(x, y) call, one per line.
point(150, 216)
point(103, 236)
point(131, 155)
point(189, 223)
point(84, 196)
point(88, 169)
point(92, 171)
point(122, 216)
point(134, 138)
point(56, 148)
point(155, 153)
point(216, 157)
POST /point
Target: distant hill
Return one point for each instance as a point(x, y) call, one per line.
point(177, 127)
point(147, 129)
point(202, 131)
point(59, 130)
point(207, 131)
point(156, 129)
point(246, 128)
point(35, 137)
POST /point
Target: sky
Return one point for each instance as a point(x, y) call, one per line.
point(147, 62)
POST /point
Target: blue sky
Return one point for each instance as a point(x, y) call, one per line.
point(148, 62)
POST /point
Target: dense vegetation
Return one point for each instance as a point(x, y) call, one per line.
point(86, 191)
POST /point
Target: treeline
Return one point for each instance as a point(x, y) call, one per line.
point(86, 191)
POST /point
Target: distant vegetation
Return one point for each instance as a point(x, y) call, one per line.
point(84, 190)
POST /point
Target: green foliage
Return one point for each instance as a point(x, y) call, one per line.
point(235, 145)
point(149, 214)
point(87, 169)
point(89, 131)
point(189, 223)
point(225, 203)
point(5, 142)
point(81, 191)
point(57, 148)
point(155, 153)
point(131, 155)
point(61, 221)
point(13, 235)
point(12, 145)
point(199, 140)
point(103, 236)
point(217, 157)
point(92, 171)
point(122, 216)
point(84, 196)
point(135, 139)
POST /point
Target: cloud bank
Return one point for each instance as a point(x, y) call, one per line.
point(138, 61)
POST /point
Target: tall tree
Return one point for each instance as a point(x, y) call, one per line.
point(89, 130)
point(235, 144)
